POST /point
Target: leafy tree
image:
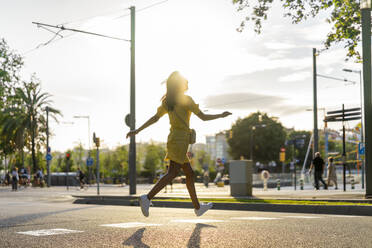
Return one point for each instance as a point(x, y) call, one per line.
point(26, 120)
point(154, 159)
point(297, 150)
point(265, 134)
point(344, 18)
point(10, 65)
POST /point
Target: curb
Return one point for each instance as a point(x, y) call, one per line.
point(288, 208)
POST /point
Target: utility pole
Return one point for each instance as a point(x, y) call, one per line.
point(96, 140)
point(47, 146)
point(365, 6)
point(315, 107)
point(132, 145)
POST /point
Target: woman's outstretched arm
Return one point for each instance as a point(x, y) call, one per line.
point(206, 117)
point(148, 123)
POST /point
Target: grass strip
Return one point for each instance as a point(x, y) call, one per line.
point(267, 201)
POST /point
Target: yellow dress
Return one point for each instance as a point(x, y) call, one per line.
point(178, 138)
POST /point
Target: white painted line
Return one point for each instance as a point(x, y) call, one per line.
point(343, 216)
point(255, 218)
point(196, 220)
point(130, 224)
point(304, 217)
point(47, 232)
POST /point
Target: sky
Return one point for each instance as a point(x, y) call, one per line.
point(227, 70)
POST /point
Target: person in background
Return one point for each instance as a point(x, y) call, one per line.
point(318, 165)
point(332, 176)
point(15, 179)
point(81, 176)
point(39, 177)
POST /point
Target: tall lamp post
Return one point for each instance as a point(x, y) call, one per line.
point(365, 6)
point(361, 110)
point(88, 118)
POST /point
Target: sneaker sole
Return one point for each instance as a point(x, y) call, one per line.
point(143, 212)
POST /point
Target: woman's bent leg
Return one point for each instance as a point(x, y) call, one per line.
point(173, 171)
point(190, 184)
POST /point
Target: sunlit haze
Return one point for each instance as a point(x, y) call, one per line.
point(227, 70)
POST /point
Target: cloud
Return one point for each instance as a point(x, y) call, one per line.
point(253, 101)
point(295, 77)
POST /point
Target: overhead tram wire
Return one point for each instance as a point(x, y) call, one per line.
point(53, 39)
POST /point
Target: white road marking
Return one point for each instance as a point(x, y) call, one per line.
point(196, 220)
point(130, 224)
point(47, 232)
point(255, 218)
point(304, 217)
point(343, 216)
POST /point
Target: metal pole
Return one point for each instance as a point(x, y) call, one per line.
point(47, 145)
point(67, 171)
point(361, 122)
point(343, 148)
point(132, 146)
point(294, 164)
point(366, 42)
point(97, 168)
point(315, 107)
point(251, 145)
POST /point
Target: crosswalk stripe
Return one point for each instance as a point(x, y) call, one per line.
point(255, 218)
point(304, 217)
point(47, 232)
point(130, 225)
point(196, 220)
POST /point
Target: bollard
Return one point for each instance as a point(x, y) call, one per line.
point(301, 183)
point(278, 184)
point(352, 183)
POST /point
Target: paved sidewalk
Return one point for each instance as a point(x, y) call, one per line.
point(180, 191)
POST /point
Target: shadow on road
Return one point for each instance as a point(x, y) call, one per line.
point(22, 220)
point(136, 239)
point(194, 241)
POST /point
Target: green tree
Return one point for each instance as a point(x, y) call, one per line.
point(265, 134)
point(154, 159)
point(344, 18)
point(298, 149)
point(10, 66)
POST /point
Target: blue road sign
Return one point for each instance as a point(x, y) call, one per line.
point(48, 157)
point(361, 148)
point(48, 150)
point(90, 161)
point(223, 160)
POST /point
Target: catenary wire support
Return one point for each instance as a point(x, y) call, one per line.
point(63, 28)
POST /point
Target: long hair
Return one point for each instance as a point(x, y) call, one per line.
point(176, 84)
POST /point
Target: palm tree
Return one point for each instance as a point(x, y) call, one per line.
point(25, 121)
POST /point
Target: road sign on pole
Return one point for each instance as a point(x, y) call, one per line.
point(48, 157)
point(89, 161)
point(361, 148)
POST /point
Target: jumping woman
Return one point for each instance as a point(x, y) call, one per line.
point(178, 106)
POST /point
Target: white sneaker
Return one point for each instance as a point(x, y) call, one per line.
point(203, 208)
point(145, 205)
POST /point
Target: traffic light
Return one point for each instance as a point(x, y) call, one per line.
point(68, 155)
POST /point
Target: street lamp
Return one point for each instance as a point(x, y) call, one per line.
point(361, 111)
point(254, 128)
point(86, 117)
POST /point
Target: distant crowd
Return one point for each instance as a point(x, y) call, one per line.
point(22, 177)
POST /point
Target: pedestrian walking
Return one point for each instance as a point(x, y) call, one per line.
point(15, 179)
point(81, 177)
point(332, 176)
point(318, 165)
point(179, 107)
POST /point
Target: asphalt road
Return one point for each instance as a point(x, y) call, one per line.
point(70, 225)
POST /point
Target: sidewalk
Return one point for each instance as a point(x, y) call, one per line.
point(351, 202)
